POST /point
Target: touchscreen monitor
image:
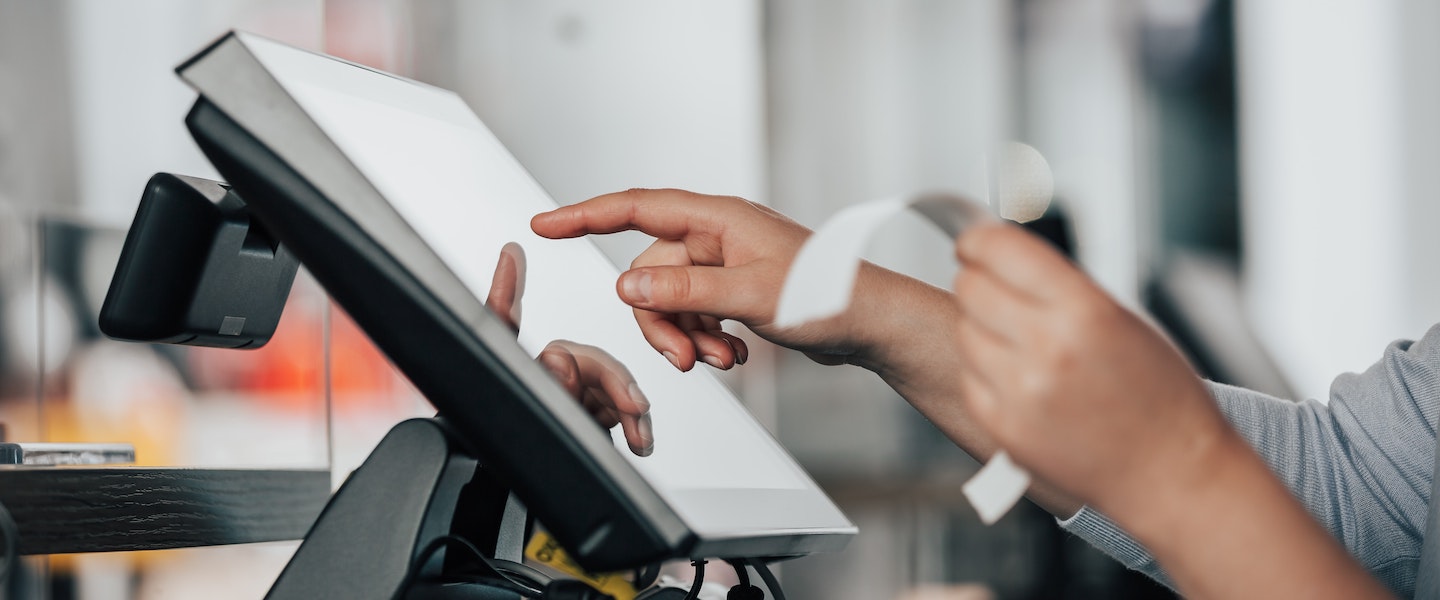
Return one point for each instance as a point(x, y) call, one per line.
point(398, 199)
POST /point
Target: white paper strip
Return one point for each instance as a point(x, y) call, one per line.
point(822, 279)
point(996, 487)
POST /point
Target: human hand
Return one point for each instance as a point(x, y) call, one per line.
point(1077, 388)
point(601, 383)
point(715, 258)
point(1097, 403)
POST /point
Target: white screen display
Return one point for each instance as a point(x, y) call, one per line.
point(453, 182)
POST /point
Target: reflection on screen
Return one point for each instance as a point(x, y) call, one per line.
point(448, 176)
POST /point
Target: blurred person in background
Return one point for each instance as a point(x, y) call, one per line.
point(1208, 485)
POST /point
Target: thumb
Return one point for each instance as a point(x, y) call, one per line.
point(721, 292)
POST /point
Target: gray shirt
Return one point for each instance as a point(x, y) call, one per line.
point(1362, 465)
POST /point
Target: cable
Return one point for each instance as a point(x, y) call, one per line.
point(769, 579)
point(699, 579)
point(740, 571)
point(524, 571)
point(743, 590)
point(436, 544)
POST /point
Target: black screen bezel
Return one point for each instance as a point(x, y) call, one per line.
point(492, 402)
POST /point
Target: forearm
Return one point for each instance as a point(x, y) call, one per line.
point(907, 340)
point(1230, 515)
point(912, 347)
point(1359, 466)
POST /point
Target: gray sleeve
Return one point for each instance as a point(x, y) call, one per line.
point(1361, 464)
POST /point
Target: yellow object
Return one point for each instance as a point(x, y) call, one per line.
point(544, 549)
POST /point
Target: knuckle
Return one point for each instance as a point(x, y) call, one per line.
point(988, 414)
point(1067, 331)
point(743, 203)
point(1069, 356)
point(1035, 384)
point(676, 286)
point(1034, 389)
point(1094, 312)
point(751, 208)
point(1067, 345)
point(997, 419)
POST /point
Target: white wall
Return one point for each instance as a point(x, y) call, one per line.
point(873, 100)
point(601, 97)
point(1338, 123)
point(1082, 89)
point(129, 107)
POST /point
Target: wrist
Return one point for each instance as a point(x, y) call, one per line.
point(1206, 463)
point(1232, 516)
point(903, 324)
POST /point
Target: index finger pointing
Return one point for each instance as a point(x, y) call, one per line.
point(668, 214)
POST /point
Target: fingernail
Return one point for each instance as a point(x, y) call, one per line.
point(639, 398)
point(742, 353)
point(674, 360)
point(637, 287)
point(713, 361)
point(647, 435)
point(734, 344)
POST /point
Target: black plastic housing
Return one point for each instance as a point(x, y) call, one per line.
point(489, 398)
point(196, 271)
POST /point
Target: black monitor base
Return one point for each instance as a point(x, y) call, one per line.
point(401, 500)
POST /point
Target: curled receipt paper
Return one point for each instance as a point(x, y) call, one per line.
point(822, 279)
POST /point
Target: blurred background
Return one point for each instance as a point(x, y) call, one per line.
point(1257, 176)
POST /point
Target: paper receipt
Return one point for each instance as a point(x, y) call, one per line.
point(822, 279)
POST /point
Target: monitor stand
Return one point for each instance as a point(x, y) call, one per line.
point(399, 502)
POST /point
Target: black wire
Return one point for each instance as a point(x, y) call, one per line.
point(524, 571)
point(436, 544)
point(769, 579)
point(11, 536)
point(489, 581)
point(740, 571)
point(699, 579)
